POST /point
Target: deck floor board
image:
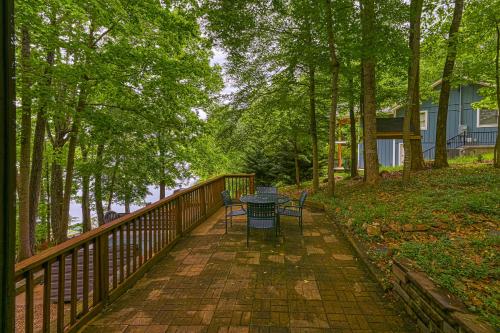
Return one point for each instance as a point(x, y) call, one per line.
point(211, 282)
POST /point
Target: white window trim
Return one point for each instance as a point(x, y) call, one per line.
point(426, 120)
point(478, 125)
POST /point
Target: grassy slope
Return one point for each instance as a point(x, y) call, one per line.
point(458, 209)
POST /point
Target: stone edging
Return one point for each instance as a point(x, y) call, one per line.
point(432, 308)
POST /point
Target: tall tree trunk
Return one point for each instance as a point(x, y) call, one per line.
point(48, 200)
point(162, 189)
point(314, 132)
point(56, 189)
point(98, 185)
point(354, 141)
point(441, 158)
point(296, 162)
point(70, 166)
point(496, 163)
point(25, 238)
point(86, 219)
point(413, 104)
point(369, 102)
point(417, 156)
point(127, 203)
point(334, 73)
point(112, 186)
point(38, 147)
point(162, 167)
point(362, 118)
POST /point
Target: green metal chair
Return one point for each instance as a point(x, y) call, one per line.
point(262, 216)
point(296, 209)
point(229, 203)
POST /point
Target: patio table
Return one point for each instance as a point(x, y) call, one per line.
point(258, 198)
point(278, 199)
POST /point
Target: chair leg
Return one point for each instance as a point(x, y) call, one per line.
point(300, 224)
point(248, 234)
point(225, 218)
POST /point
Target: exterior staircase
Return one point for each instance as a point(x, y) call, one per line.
point(459, 144)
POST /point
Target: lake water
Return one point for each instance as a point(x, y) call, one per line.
point(75, 210)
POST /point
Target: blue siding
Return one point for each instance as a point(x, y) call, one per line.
point(384, 150)
point(467, 116)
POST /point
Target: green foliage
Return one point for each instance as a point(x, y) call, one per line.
point(457, 210)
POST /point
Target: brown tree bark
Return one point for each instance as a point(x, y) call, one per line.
point(352, 120)
point(127, 203)
point(334, 73)
point(313, 126)
point(496, 162)
point(369, 102)
point(86, 219)
point(59, 228)
point(362, 118)
point(441, 157)
point(47, 200)
point(38, 148)
point(112, 186)
point(26, 245)
point(413, 104)
point(417, 156)
point(70, 166)
point(98, 185)
point(296, 162)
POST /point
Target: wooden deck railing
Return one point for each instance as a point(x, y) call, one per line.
point(66, 285)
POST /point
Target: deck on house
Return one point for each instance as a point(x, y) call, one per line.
point(211, 282)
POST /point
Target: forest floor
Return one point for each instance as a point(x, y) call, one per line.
point(446, 223)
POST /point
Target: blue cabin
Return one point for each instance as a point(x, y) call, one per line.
point(469, 130)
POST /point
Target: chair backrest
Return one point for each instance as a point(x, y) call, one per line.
point(302, 199)
point(226, 198)
point(263, 211)
point(266, 189)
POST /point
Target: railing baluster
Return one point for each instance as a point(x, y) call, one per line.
point(104, 266)
point(28, 324)
point(128, 249)
point(47, 278)
point(74, 281)
point(121, 244)
point(141, 244)
point(86, 274)
point(158, 223)
point(164, 225)
point(95, 273)
point(114, 260)
point(156, 230)
point(60, 293)
point(150, 226)
point(134, 259)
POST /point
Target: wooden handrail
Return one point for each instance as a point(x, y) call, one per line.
point(37, 260)
point(116, 254)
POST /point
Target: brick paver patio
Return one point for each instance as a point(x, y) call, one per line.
point(211, 282)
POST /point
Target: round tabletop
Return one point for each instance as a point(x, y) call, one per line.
point(265, 198)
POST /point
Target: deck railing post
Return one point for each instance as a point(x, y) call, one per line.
point(252, 183)
point(203, 202)
point(178, 220)
point(104, 267)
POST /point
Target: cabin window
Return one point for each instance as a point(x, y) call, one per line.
point(423, 120)
point(487, 118)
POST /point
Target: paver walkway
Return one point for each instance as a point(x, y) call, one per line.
point(211, 282)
